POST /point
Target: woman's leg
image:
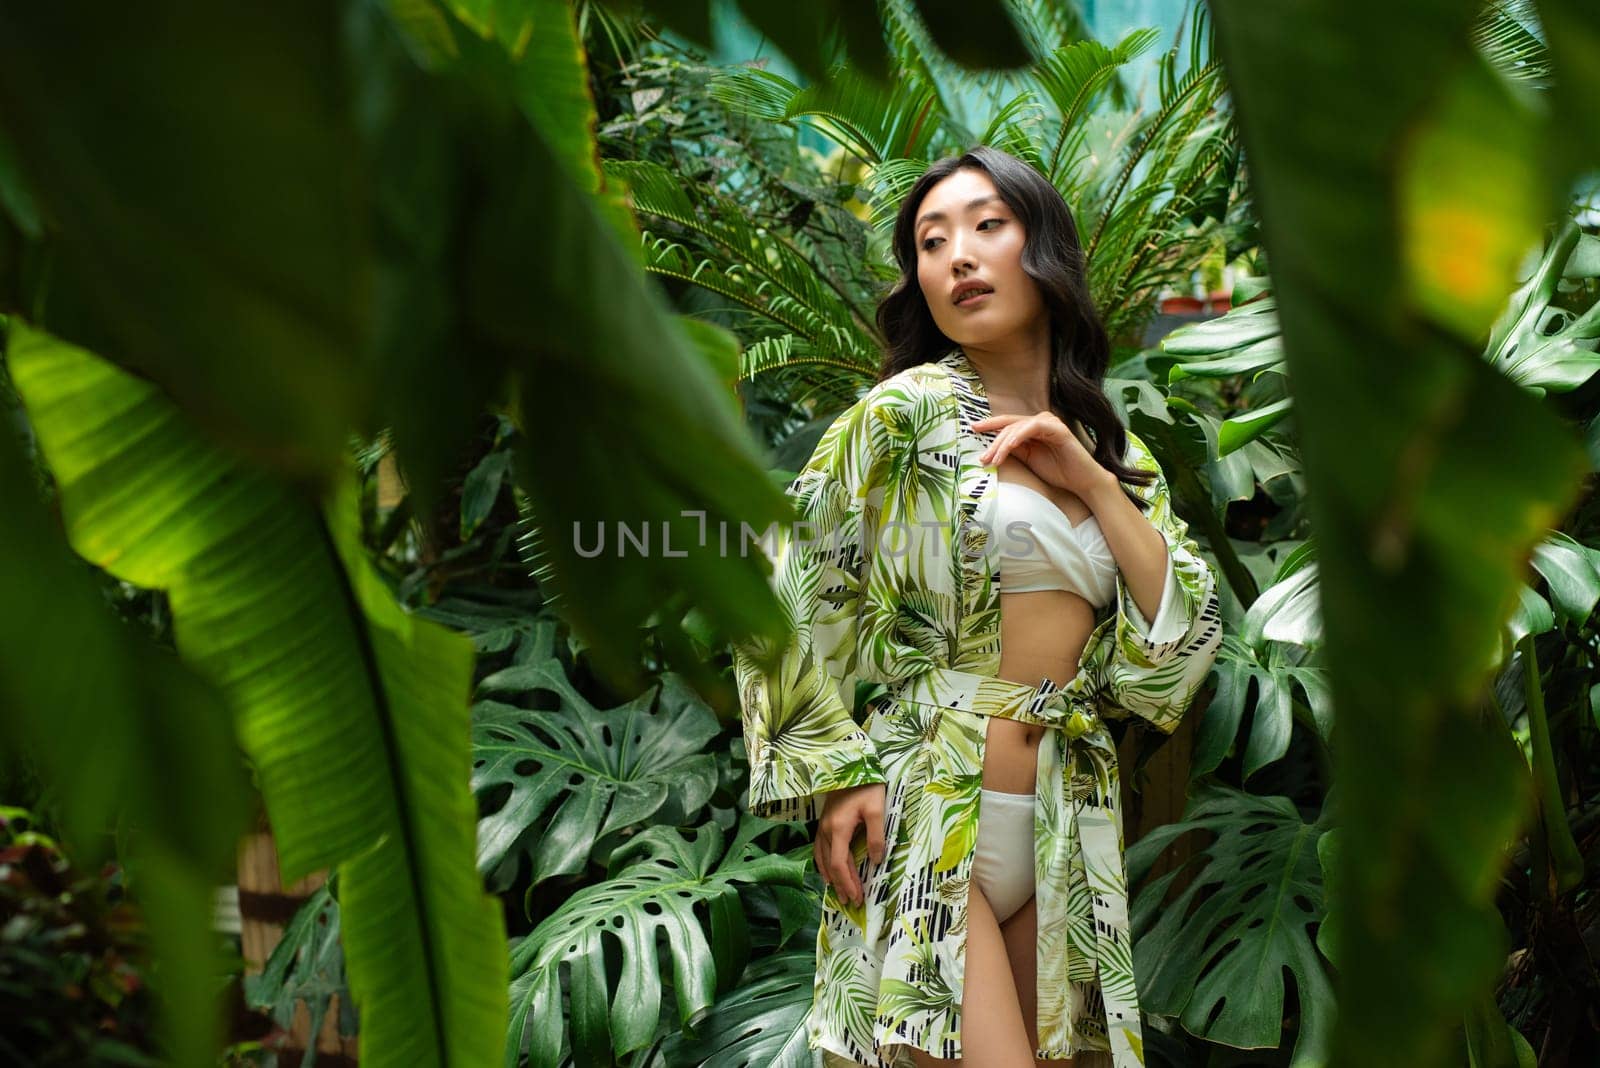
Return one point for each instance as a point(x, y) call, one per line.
point(1020, 933)
point(992, 1028)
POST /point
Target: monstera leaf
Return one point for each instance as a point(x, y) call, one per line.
point(1215, 955)
point(760, 1023)
point(497, 620)
point(1536, 342)
point(577, 773)
point(1571, 573)
point(1275, 650)
point(664, 878)
point(306, 968)
point(1278, 671)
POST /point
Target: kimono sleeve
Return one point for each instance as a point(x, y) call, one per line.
point(1153, 668)
point(796, 700)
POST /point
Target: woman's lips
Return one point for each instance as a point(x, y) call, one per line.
point(974, 300)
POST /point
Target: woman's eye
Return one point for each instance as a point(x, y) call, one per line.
point(927, 243)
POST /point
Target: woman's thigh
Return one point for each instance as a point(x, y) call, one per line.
point(991, 1019)
point(1020, 934)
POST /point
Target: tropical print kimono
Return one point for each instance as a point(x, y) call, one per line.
point(894, 578)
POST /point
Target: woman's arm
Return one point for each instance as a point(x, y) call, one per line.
point(799, 732)
point(1142, 553)
point(1147, 665)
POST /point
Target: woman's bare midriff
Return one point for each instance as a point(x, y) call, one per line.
point(1042, 635)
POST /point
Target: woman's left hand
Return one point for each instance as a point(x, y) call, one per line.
point(1048, 446)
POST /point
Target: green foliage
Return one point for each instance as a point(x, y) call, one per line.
point(306, 967)
point(762, 1021)
point(451, 209)
point(1248, 913)
point(574, 777)
point(656, 882)
point(419, 228)
point(73, 985)
point(1534, 341)
point(981, 34)
point(1430, 474)
point(353, 713)
point(1150, 210)
point(164, 766)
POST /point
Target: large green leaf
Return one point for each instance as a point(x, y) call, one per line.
point(1541, 345)
point(1572, 571)
point(1289, 610)
point(671, 458)
point(658, 880)
point(122, 734)
point(1215, 955)
point(761, 1023)
point(1534, 341)
point(1431, 475)
point(576, 774)
point(354, 713)
point(1277, 671)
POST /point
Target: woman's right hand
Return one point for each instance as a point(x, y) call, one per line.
point(842, 811)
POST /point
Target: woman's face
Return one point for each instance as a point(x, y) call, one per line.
point(965, 233)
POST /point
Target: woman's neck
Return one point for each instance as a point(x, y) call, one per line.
point(1016, 379)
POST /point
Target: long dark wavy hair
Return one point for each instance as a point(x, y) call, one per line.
point(1053, 257)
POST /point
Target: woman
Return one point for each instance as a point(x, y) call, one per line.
point(986, 540)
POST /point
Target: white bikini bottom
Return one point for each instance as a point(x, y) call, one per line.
point(1003, 864)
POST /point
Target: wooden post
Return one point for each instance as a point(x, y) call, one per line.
point(1165, 791)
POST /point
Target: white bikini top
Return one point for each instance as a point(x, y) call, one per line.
point(1051, 552)
point(1045, 550)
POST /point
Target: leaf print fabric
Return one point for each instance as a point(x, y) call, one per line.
point(907, 594)
point(799, 732)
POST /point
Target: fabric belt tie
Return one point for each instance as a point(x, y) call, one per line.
point(1045, 705)
point(1092, 807)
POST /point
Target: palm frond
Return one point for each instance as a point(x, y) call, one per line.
point(754, 266)
point(1509, 35)
point(872, 122)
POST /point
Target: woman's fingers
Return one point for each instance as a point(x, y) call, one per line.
point(875, 837)
point(832, 849)
point(1004, 443)
point(1016, 428)
point(823, 852)
point(839, 854)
